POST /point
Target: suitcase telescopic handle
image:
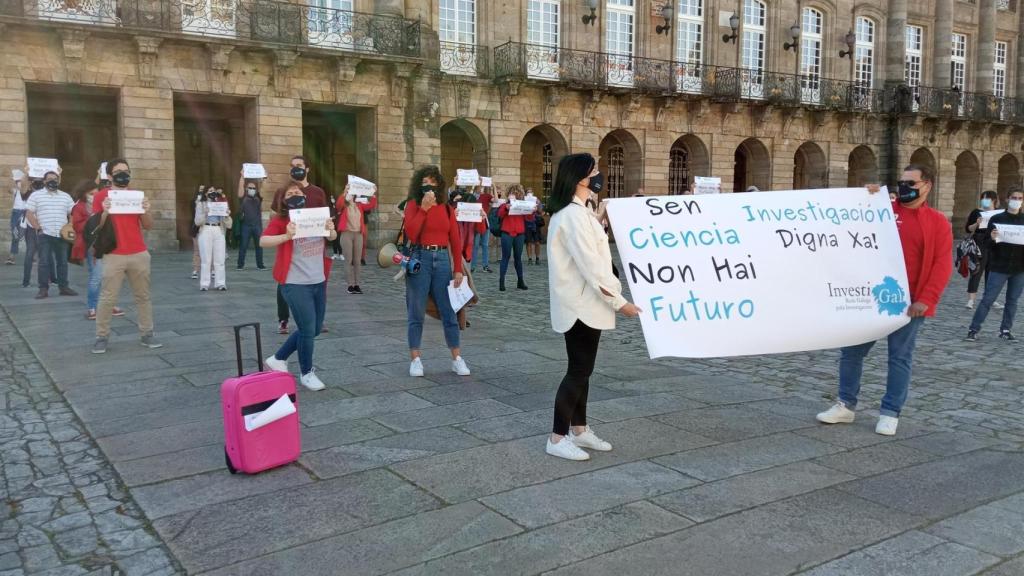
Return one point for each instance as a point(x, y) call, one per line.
point(238, 345)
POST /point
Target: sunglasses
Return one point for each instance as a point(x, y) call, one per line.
point(910, 183)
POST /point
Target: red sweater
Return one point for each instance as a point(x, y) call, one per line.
point(79, 216)
point(439, 228)
point(512, 225)
point(927, 241)
point(342, 206)
point(283, 261)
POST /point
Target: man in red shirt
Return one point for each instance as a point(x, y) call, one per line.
point(927, 241)
point(129, 259)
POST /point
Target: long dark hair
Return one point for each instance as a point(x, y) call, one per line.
point(82, 189)
point(277, 205)
point(571, 169)
point(415, 193)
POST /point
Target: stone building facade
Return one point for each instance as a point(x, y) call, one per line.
point(762, 93)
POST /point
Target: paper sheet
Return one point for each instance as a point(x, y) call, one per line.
point(38, 167)
point(1010, 234)
point(126, 201)
point(254, 171)
point(217, 209)
point(522, 208)
point(103, 171)
point(986, 216)
point(486, 181)
point(707, 185)
point(279, 409)
point(469, 212)
point(360, 187)
point(310, 222)
point(461, 295)
point(467, 177)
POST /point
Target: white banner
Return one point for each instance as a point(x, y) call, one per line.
point(740, 274)
point(1010, 233)
point(253, 171)
point(522, 207)
point(310, 222)
point(38, 167)
point(17, 174)
point(217, 209)
point(707, 185)
point(126, 201)
point(467, 177)
point(486, 182)
point(360, 187)
point(469, 212)
point(103, 171)
point(986, 216)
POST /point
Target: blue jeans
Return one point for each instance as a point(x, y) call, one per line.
point(253, 231)
point(901, 358)
point(95, 268)
point(308, 304)
point(510, 245)
point(433, 278)
point(16, 230)
point(482, 246)
point(53, 257)
point(993, 286)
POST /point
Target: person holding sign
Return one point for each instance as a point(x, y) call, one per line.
point(482, 239)
point(584, 298)
point(432, 230)
point(1006, 268)
point(49, 210)
point(130, 259)
point(982, 238)
point(213, 216)
point(351, 225)
point(513, 237)
point(18, 209)
point(252, 219)
point(301, 269)
point(928, 255)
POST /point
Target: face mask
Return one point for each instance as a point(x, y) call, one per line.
point(295, 202)
point(104, 183)
point(37, 185)
point(1015, 204)
point(52, 184)
point(906, 194)
point(428, 188)
point(298, 173)
point(986, 203)
point(122, 179)
point(596, 183)
point(251, 192)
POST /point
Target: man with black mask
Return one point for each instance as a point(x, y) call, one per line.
point(49, 209)
point(927, 242)
point(1005, 267)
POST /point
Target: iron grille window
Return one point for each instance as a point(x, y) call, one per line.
point(616, 172)
point(678, 171)
point(547, 155)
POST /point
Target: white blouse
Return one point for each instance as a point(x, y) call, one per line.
point(579, 267)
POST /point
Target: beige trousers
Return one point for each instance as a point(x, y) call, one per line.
point(116, 268)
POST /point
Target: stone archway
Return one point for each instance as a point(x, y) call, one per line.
point(541, 149)
point(688, 157)
point(622, 163)
point(463, 145)
point(924, 157)
point(810, 168)
point(966, 189)
point(752, 166)
point(1009, 176)
point(862, 167)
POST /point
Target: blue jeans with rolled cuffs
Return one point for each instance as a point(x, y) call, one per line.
point(433, 278)
point(993, 286)
point(95, 268)
point(308, 303)
point(482, 249)
point(901, 358)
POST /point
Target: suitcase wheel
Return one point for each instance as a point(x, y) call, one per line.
point(227, 460)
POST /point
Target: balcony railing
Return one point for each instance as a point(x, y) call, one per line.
point(265, 21)
point(465, 59)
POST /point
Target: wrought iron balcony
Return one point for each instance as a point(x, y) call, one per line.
point(465, 59)
point(263, 21)
point(954, 104)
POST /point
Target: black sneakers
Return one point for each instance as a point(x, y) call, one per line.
point(972, 336)
point(1006, 335)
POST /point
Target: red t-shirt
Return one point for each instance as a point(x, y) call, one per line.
point(439, 228)
point(127, 227)
point(908, 223)
point(513, 225)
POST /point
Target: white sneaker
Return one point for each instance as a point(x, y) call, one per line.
point(970, 304)
point(459, 367)
point(837, 414)
point(887, 425)
point(566, 449)
point(997, 306)
point(311, 381)
point(276, 365)
point(416, 368)
point(589, 440)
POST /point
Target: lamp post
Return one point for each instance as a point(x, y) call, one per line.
point(794, 34)
point(592, 17)
point(666, 13)
point(734, 24)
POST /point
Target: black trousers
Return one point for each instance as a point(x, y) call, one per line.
point(974, 280)
point(571, 400)
point(282, 306)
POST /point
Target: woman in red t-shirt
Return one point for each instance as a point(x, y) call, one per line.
point(513, 236)
point(431, 228)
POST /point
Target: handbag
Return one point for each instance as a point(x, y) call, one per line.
point(100, 235)
point(67, 232)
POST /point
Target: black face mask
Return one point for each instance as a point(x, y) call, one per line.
point(906, 194)
point(428, 188)
point(596, 183)
point(38, 185)
point(52, 185)
point(295, 202)
point(214, 196)
point(104, 183)
point(122, 179)
point(298, 173)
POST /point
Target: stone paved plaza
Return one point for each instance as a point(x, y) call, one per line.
point(114, 464)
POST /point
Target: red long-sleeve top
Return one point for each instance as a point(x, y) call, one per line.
point(438, 226)
point(927, 251)
point(513, 225)
point(485, 201)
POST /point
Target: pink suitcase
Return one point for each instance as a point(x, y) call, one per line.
point(275, 444)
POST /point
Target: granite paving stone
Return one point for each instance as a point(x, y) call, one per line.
point(360, 407)
point(996, 528)
point(872, 460)
point(724, 460)
point(638, 406)
point(730, 423)
point(1013, 567)
point(912, 553)
point(434, 416)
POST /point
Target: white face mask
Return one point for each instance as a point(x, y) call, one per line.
point(1015, 204)
point(251, 193)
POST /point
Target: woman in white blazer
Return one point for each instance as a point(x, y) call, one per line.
point(584, 298)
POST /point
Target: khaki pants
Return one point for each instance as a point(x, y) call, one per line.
point(116, 268)
point(352, 248)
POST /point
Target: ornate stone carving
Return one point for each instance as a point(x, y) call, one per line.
point(73, 42)
point(665, 106)
point(283, 61)
point(463, 98)
point(147, 47)
point(629, 105)
point(761, 115)
point(345, 72)
point(400, 75)
point(554, 98)
point(508, 90)
point(590, 106)
point(220, 55)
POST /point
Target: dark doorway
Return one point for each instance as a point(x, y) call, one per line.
point(338, 141)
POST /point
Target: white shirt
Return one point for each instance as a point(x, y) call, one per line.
point(51, 210)
point(19, 204)
point(579, 267)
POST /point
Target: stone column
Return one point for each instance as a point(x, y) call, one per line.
point(147, 139)
point(896, 42)
point(942, 50)
point(1020, 60)
point(986, 46)
point(392, 7)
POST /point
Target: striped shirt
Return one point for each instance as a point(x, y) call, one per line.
point(51, 210)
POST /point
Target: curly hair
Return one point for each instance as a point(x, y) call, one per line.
point(415, 193)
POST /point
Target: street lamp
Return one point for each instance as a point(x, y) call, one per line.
point(850, 40)
point(734, 24)
point(666, 13)
point(592, 17)
point(794, 33)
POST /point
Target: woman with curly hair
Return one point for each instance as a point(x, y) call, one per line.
point(433, 232)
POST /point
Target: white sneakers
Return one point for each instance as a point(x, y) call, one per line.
point(840, 414)
point(589, 440)
point(459, 366)
point(416, 368)
point(566, 449)
point(311, 381)
point(887, 425)
point(276, 365)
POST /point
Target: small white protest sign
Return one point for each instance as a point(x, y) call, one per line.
point(103, 171)
point(17, 174)
point(253, 171)
point(467, 177)
point(522, 208)
point(217, 209)
point(38, 167)
point(1010, 234)
point(360, 186)
point(310, 222)
point(986, 216)
point(486, 181)
point(126, 201)
point(707, 185)
point(469, 212)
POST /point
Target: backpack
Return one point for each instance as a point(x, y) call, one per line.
point(101, 239)
point(494, 222)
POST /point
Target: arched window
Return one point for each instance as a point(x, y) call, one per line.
point(678, 170)
point(752, 49)
point(810, 55)
point(864, 53)
point(689, 44)
point(616, 177)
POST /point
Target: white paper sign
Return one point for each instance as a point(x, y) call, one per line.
point(486, 181)
point(126, 201)
point(522, 207)
point(707, 185)
point(16, 174)
point(360, 186)
point(735, 274)
point(495, 202)
point(281, 407)
point(103, 171)
point(986, 216)
point(461, 295)
point(310, 222)
point(216, 208)
point(1010, 234)
point(470, 212)
point(38, 167)
point(467, 177)
point(254, 171)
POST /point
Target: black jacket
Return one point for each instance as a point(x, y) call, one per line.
point(1006, 258)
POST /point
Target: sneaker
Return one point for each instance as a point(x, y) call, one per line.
point(276, 365)
point(997, 306)
point(488, 269)
point(356, 289)
point(43, 293)
point(282, 327)
point(261, 268)
point(68, 292)
point(324, 330)
point(240, 268)
point(222, 288)
point(334, 256)
point(195, 275)
point(99, 346)
point(837, 414)
point(459, 367)
point(416, 368)
point(972, 336)
point(203, 288)
point(887, 425)
point(351, 290)
point(10, 261)
point(970, 304)
point(589, 440)
point(90, 315)
point(1006, 335)
point(311, 381)
point(362, 261)
point(148, 341)
point(566, 449)
point(117, 312)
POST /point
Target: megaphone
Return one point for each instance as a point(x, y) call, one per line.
point(385, 258)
